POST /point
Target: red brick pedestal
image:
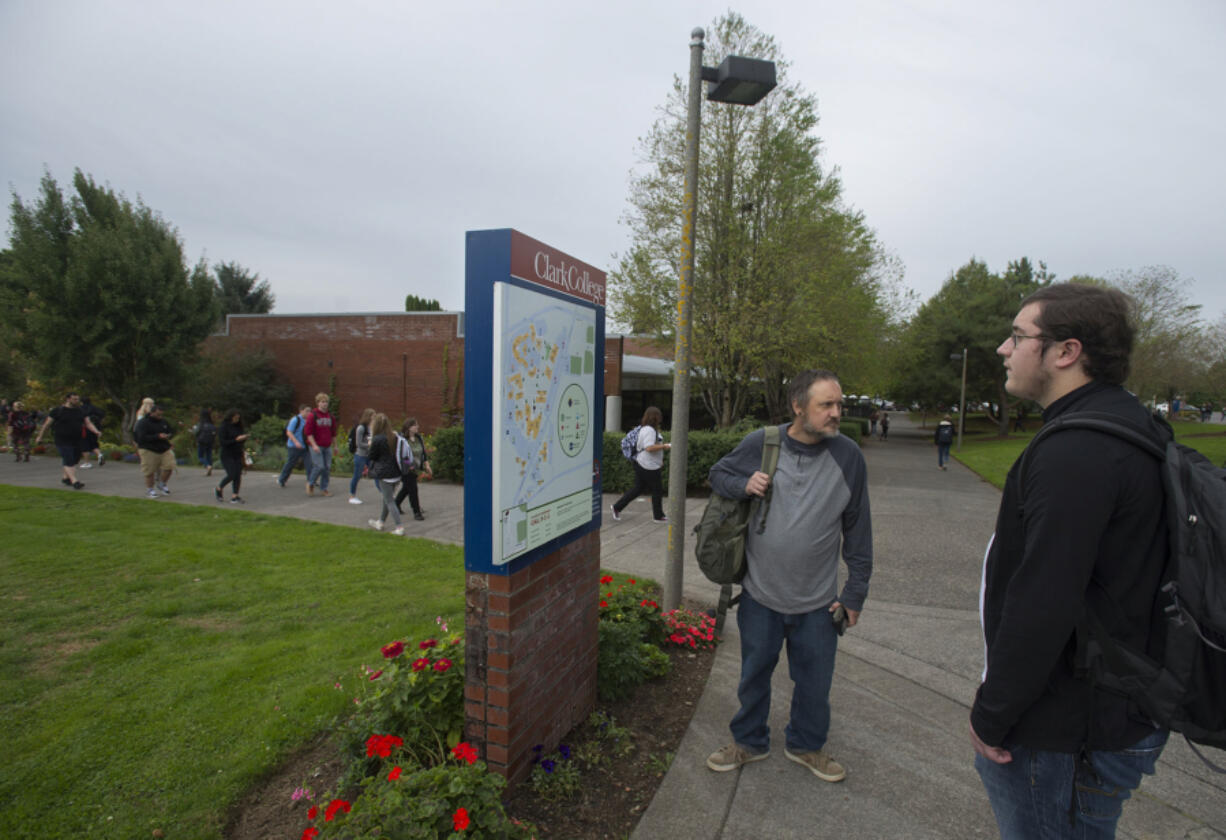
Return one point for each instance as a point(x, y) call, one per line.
point(531, 655)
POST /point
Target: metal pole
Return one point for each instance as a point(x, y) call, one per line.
point(962, 402)
point(678, 454)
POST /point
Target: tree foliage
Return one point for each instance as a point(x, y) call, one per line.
point(785, 276)
point(413, 303)
point(239, 292)
point(97, 290)
point(973, 312)
point(229, 376)
point(1166, 355)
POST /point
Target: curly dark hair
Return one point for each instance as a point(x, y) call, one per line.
point(1097, 316)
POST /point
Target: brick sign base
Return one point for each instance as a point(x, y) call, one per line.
point(531, 655)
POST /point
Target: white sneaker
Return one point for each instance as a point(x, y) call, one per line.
point(354, 500)
point(398, 531)
point(151, 493)
point(165, 490)
point(617, 516)
point(86, 466)
point(376, 524)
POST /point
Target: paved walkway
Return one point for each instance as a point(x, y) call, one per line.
point(903, 682)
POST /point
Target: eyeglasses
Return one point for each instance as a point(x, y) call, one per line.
point(1019, 336)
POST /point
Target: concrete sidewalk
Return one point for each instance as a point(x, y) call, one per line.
point(903, 682)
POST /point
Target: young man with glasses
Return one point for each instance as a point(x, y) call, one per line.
point(1057, 756)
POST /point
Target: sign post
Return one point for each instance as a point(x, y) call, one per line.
point(533, 426)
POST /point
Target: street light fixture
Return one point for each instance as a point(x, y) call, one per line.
point(739, 81)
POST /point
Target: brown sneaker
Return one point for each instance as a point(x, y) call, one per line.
point(310, 490)
point(731, 757)
point(822, 765)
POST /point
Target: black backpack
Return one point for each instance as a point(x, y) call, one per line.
point(1187, 691)
point(353, 440)
point(722, 533)
point(945, 434)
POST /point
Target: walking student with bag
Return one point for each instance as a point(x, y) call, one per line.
point(648, 464)
point(411, 454)
point(295, 445)
point(385, 470)
point(817, 501)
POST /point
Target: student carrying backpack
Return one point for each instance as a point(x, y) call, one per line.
point(1182, 685)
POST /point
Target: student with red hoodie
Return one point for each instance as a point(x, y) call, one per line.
point(318, 431)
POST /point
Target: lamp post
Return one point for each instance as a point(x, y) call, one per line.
point(962, 399)
point(742, 81)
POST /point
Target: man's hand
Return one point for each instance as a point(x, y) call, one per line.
point(757, 484)
point(996, 755)
point(852, 615)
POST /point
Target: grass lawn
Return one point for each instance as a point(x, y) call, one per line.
point(991, 457)
point(154, 664)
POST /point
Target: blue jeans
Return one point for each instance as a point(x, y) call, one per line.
point(942, 454)
point(292, 456)
point(812, 643)
point(319, 467)
point(204, 454)
point(359, 461)
point(1031, 794)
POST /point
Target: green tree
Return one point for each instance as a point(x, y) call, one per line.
point(239, 292)
point(974, 311)
point(1167, 351)
point(785, 276)
point(228, 377)
point(413, 303)
point(100, 292)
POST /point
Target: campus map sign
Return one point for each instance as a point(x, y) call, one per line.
point(533, 399)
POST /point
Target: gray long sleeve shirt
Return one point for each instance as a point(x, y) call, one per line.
point(819, 503)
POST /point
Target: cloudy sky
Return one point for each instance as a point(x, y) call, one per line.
point(341, 150)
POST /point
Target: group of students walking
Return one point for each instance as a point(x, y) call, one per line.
point(393, 459)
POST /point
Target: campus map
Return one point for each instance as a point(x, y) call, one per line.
point(544, 367)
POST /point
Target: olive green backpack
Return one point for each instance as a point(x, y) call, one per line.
point(722, 533)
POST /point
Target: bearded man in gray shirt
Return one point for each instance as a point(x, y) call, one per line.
point(818, 504)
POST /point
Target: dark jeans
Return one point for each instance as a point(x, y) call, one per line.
point(293, 456)
point(1031, 794)
point(812, 642)
point(233, 465)
point(408, 487)
point(359, 462)
point(942, 454)
point(204, 454)
point(645, 481)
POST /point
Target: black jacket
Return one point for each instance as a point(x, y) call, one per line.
point(1087, 529)
point(147, 430)
point(383, 464)
point(230, 447)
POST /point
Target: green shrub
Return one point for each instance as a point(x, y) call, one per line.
point(631, 603)
point(446, 449)
point(852, 429)
point(418, 695)
point(452, 799)
point(624, 660)
point(268, 433)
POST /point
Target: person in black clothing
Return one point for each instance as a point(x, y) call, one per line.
point(89, 440)
point(385, 470)
point(232, 436)
point(1057, 755)
point(885, 425)
point(21, 426)
point(67, 421)
point(157, 458)
point(206, 436)
point(410, 438)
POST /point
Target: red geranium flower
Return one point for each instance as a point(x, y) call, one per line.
point(604, 603)
point(427, 644)
point(421, 664)
point(382, 745)
point(460, 819)
point(313, 813)
point(630, 581)
point(394, 775)
point(393, 650)
point(310, 833)
point(334, 806)
point(607, 579)
point(442, 665)
point(376, 675)
point(464, 752)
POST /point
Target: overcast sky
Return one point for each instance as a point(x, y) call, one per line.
point(341, 150)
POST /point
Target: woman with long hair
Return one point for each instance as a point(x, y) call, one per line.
point(385, 471)
point(232, 438)
point(411, 439)
point(648, 463)
point(361, 453)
